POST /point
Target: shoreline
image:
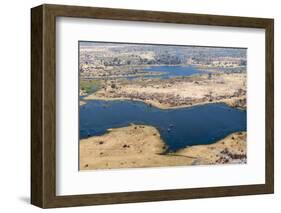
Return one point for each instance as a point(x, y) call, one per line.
point(159, 105)
point(81, 103)
point(177, 93)
point(138, 75)
point(141, 146)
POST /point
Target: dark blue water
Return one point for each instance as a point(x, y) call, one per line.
point(179, 128)
point(174, 71)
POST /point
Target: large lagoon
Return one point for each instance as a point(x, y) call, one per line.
point(179, 128)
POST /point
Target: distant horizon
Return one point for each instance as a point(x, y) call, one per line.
point(106, 44)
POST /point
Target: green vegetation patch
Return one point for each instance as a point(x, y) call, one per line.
point(90, 86)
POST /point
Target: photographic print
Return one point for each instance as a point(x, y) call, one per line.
point(115, 108)
point(157, 105)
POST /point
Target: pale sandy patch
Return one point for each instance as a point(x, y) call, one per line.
point(81, 103)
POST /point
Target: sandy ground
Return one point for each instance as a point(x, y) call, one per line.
point(81, 103)
point(180, 92)
point(231, 149)
point(138, 146)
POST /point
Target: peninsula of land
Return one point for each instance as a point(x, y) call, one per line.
point(177, 92)
point(139, 146)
